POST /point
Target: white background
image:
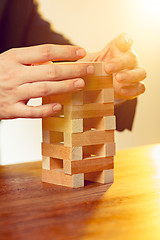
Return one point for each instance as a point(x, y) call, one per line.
point(92, 24)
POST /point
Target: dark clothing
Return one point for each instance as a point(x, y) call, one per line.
point(21, 26)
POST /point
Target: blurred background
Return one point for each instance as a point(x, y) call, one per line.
point(92, 24)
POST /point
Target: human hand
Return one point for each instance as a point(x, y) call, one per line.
point(21, 78)
point(122, 62)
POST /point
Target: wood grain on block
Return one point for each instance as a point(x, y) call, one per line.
point(88, 165)
point(56, 137)
point(93, 123)
point(76, 125)
point(92, 137)
point(46, 163)
point(110, 122)
point(63, 99)
point(96, 96)
point(94, 151)
point(105, 176)
point(89, 110)
point(46, 136)
point(97, 82)
point(56, 163)
point(99, 69)
point(77, 98)
point(108, 95)
point(58, 177)
point(98, 66)
point(73, 98)
point(62, 124)
point(60, 151)
point(110, 149)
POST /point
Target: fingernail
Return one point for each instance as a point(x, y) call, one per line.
point(57, 107)
point(80, 52)
point(109, 67)
point(90, 69)
point(78, 84)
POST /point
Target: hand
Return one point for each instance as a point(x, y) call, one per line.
point(122, 62)
point(19, 81)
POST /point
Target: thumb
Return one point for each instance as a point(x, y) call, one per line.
point(123, 42)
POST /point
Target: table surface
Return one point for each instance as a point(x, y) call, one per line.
point(127, 209)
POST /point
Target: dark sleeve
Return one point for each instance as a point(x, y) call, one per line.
point(39, 31)
point(21, 25)
point(125, 113)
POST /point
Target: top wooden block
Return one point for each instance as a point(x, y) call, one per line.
point(98, 67)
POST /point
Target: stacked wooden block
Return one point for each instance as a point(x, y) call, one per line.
point(78, 143)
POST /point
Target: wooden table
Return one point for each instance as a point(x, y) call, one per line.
point(127, 209)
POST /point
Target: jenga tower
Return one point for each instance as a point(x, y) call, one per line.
point(78, 143)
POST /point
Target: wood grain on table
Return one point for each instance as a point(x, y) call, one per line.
point(127, 209)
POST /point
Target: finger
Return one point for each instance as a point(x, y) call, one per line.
point(47, 52)
point(126, 61)
point(52, 72)
point(131, 76)
point(40, 89)
point(123, 42)
point(129, 92)
point(23, 111)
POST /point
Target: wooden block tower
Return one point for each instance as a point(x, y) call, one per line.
point(78, 143)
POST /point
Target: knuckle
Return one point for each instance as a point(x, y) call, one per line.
point(46, 51)
point(43, 88)
point(52, 72)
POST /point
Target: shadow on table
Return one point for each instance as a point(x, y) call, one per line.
point(68, 210)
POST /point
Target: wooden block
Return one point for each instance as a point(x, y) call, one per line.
point(75, 98)
point(96, 96)
point(110, 149)
point(106, 176)
point(88, 165)
point(94, 151)
point(97, 82)
point(59, 178)
point(92, 137)
point(108, 95)
point(99, 68)
point(93, 123)
point(56, 163)
point(46, 136)
point(46, 163)
point(89, 110)
point(56, 137)
point(60, 151)
point(62, 124)
point(110, 122)
point(99, 96)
